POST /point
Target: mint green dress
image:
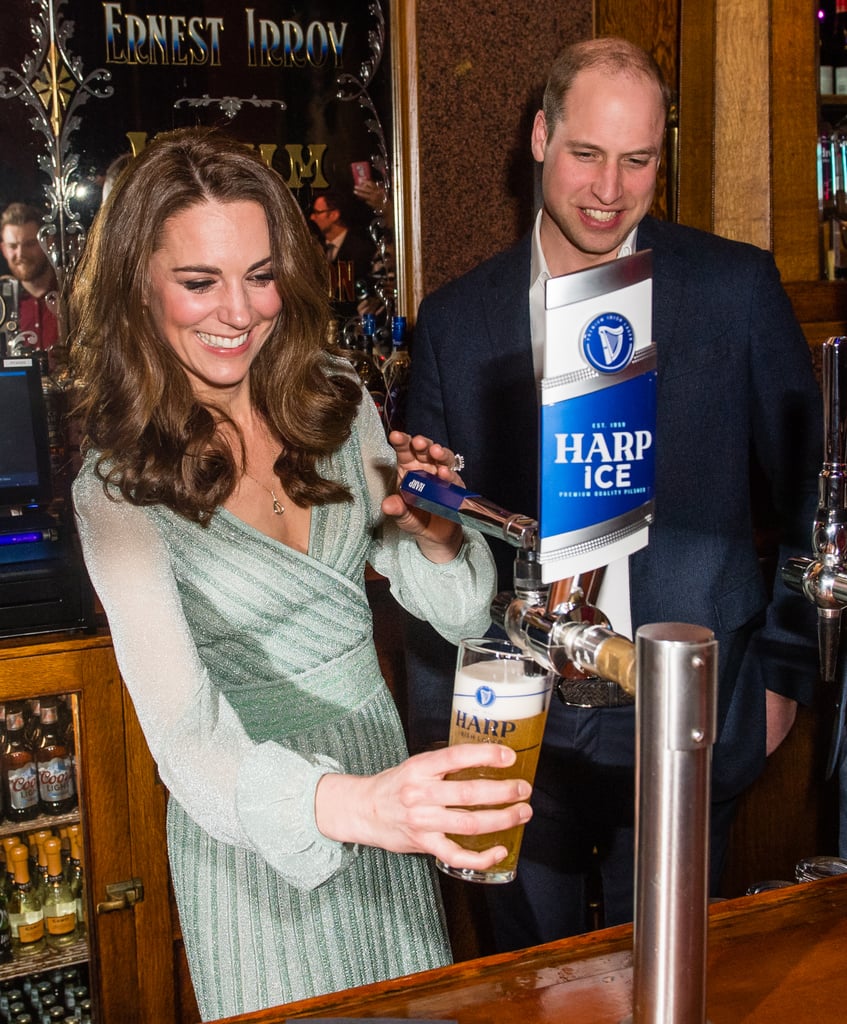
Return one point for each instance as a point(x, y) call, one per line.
point(253, 672)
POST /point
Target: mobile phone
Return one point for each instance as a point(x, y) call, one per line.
point(361, 171)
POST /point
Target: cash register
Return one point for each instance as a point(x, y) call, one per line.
point(43, 584)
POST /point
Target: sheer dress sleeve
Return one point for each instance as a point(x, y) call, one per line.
point(257, 796)
point(454, 597)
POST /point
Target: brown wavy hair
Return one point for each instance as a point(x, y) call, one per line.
point(155, 441)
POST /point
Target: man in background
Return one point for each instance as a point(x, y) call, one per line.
point(341, 242)
point(29, 265)
point(734, 378)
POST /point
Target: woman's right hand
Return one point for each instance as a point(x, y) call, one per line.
point(410, 808)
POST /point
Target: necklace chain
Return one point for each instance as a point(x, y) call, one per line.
point(278, 507)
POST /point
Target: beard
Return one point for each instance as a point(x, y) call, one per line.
point(29, 270)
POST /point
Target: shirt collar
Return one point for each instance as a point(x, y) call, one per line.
point(538, 264)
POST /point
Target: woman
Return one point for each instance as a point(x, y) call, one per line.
point(234, 487)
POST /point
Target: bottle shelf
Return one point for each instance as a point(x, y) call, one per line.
point(11, 828)
point(49, 960)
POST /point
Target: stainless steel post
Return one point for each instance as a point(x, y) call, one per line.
point(676, 709)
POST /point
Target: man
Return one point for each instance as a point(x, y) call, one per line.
point(342, 243)
point(28, 263)
point(734, 376)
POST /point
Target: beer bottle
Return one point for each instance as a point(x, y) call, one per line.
point(20, 776)
point(26, 915)
point(32, 720)
point(56, 788)
point(59, 905)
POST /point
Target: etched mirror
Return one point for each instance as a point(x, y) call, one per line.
point(321, 88)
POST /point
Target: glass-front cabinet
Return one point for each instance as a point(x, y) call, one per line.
point(82, 836)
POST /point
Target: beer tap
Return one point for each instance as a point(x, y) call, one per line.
point(823, 578)
point(557, 623)
point(676, 725)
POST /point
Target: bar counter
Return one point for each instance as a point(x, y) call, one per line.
point(776, 956)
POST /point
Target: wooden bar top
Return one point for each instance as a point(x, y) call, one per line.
point(777, 956)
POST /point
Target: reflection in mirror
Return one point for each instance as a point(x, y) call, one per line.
point(85, 85)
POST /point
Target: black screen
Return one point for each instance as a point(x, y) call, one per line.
point(24, 447)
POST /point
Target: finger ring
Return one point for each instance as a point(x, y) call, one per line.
point(458, 463)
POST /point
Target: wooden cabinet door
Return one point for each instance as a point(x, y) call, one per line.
point(130, 950)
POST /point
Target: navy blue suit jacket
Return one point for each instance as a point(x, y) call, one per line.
point(734, 377)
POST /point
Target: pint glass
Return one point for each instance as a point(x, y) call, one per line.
point(500, 695)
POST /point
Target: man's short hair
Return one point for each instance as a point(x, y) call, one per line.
point(609, 54)
point(19, 214)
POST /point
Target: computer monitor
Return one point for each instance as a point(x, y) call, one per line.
point(25, 480)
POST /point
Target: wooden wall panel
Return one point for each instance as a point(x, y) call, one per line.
point(742, 154)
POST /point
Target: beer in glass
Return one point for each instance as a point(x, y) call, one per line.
point(500, 695)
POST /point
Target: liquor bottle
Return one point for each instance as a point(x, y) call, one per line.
point(827, 48)
point(395, 373)
point(26, 914)
point(56, 788)
point(20, 774)
point(365, 366)
point(60, 922)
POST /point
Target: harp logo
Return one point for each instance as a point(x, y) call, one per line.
point(485, 696)
point(608, 342)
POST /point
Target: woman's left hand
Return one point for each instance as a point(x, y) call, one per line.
point(439, 539)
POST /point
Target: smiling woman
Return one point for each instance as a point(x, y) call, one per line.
point(235, 486)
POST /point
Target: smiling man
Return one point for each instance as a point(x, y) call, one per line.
point(29, 264)
point(734, 377)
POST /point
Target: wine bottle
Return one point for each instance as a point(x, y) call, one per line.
point(395, 373)
point(60, 921)
point(75, 875)
point(56, 788)
point(38, 857)
point(26, 915)
point(20, 775)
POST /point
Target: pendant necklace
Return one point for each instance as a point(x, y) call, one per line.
point(278, 507)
